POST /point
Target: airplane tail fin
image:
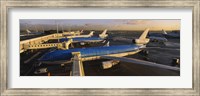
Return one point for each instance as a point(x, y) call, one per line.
point(103, 34)
point(144, 34)
point(91, 33)
point(28, 31)
point(164, 32)
point(143, 38)
point(81, 31)
point(107, 44)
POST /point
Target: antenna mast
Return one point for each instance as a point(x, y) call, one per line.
point(57, 32)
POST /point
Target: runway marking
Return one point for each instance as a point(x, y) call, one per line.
point(35, 55)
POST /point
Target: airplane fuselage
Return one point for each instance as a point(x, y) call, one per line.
point(78, 36)
point(83, 39)
point(93, 53)
point(172, 35)
point(159, 39)
point(32, 34)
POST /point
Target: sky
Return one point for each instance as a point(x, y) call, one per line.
point(99, 24)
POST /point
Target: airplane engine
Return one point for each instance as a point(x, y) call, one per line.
point(141, 41)
point(109, 64)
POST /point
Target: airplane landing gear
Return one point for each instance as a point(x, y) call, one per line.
point(175, 62)
point(144, 52)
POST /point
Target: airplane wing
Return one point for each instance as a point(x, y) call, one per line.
point(161, 48)
point(88, 41)
point(141, 62)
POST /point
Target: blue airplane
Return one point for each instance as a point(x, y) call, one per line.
point(173, 34)
point(162, 36)
point(116, 52)
point(157, 39)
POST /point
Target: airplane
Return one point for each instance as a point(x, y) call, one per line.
point(164, 34)
point(86, 38)
point(157, 39)
point(78, 36)
point(152, 39)
point(172, 34)
point(29, 33)
point(115, 52)
point(89, 44)
point(76, 33)
point(162, 37)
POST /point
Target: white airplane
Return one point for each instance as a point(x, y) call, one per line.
point(116, 52)
point(29, 33)
point(103, 34)
point(73, 33)
point(85, 36)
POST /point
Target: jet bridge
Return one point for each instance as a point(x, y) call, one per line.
point(77, 68)
point(63, 45)
point(37, 43)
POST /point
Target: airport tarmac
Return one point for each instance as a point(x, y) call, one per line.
point(94, 68)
